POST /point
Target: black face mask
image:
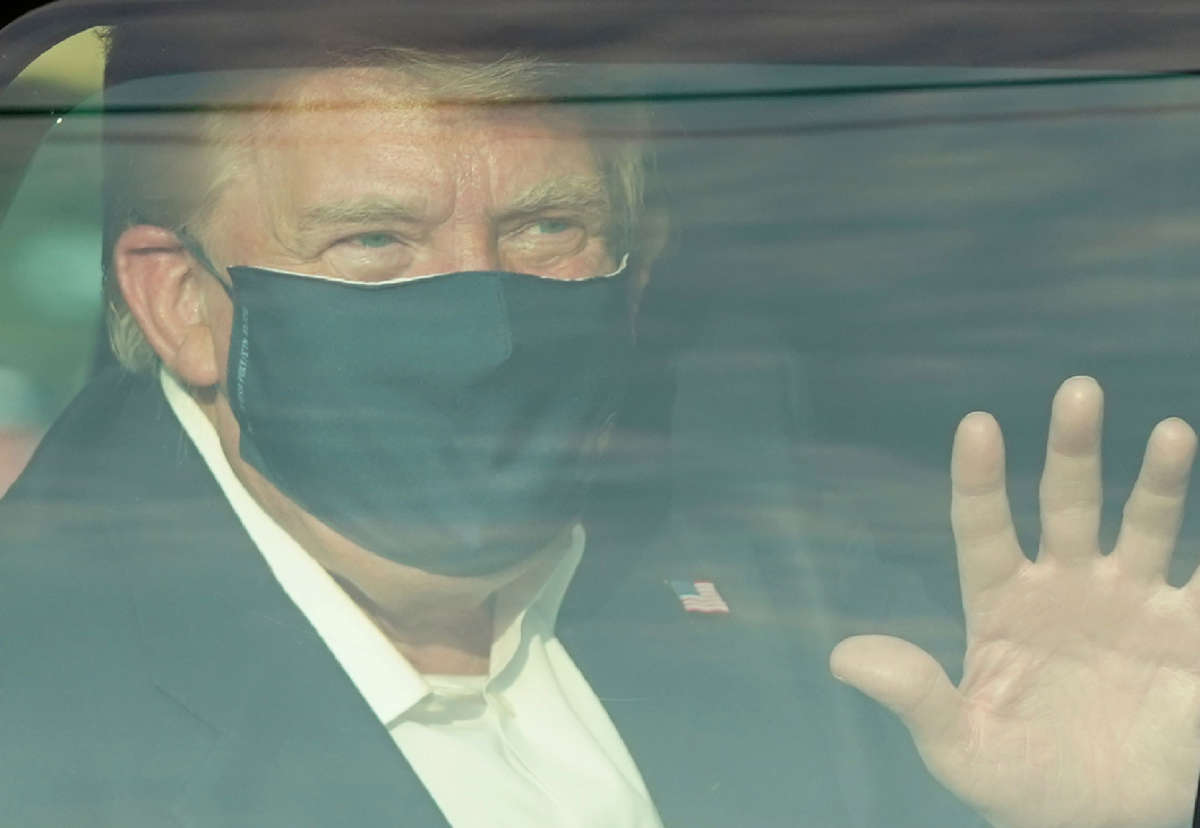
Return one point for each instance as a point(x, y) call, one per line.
point(448, 423)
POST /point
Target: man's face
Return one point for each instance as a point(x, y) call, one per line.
point(368, 190)
point(364, 189)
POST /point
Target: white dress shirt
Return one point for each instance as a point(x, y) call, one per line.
point(528, 744)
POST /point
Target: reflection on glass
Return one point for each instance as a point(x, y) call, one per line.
point(858, 256)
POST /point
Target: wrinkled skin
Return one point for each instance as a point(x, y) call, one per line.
point(1080, 698)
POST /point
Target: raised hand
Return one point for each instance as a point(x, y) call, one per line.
point(1080, 698)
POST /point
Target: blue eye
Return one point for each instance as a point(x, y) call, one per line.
point(374, 239)
point(550, 226)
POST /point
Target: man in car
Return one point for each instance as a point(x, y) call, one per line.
point(301, 562)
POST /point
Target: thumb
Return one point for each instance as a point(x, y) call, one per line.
point(906, 680)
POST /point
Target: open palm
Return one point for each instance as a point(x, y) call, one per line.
point(1080, 698)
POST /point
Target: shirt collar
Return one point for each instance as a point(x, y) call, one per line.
point(387, 681)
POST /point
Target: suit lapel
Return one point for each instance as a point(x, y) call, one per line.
point(296, 743)
point(727, 724)
point(293, 741)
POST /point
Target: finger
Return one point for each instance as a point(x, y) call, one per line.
point(906, 680)
point(988, 551)
point(1154, 510)
point(1070, 490)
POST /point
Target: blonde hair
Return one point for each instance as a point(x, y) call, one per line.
point(176, 178)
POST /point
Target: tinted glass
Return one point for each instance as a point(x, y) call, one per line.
point(858, 255)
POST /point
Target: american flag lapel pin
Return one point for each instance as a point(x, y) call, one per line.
point(699, 596)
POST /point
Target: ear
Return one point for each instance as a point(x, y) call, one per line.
point(166, 292)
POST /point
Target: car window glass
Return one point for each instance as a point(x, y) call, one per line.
point(858, 255)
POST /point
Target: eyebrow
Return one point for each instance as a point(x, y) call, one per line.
point(582, 193)
point(367, 210)
point(585, 194)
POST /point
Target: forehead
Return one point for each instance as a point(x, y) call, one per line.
point(367, 122)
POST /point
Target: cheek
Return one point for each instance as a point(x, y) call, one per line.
point(593, 259)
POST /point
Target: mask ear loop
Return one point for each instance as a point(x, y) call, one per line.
point(193, 246)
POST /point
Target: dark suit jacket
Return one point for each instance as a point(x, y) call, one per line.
point(153, 673)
